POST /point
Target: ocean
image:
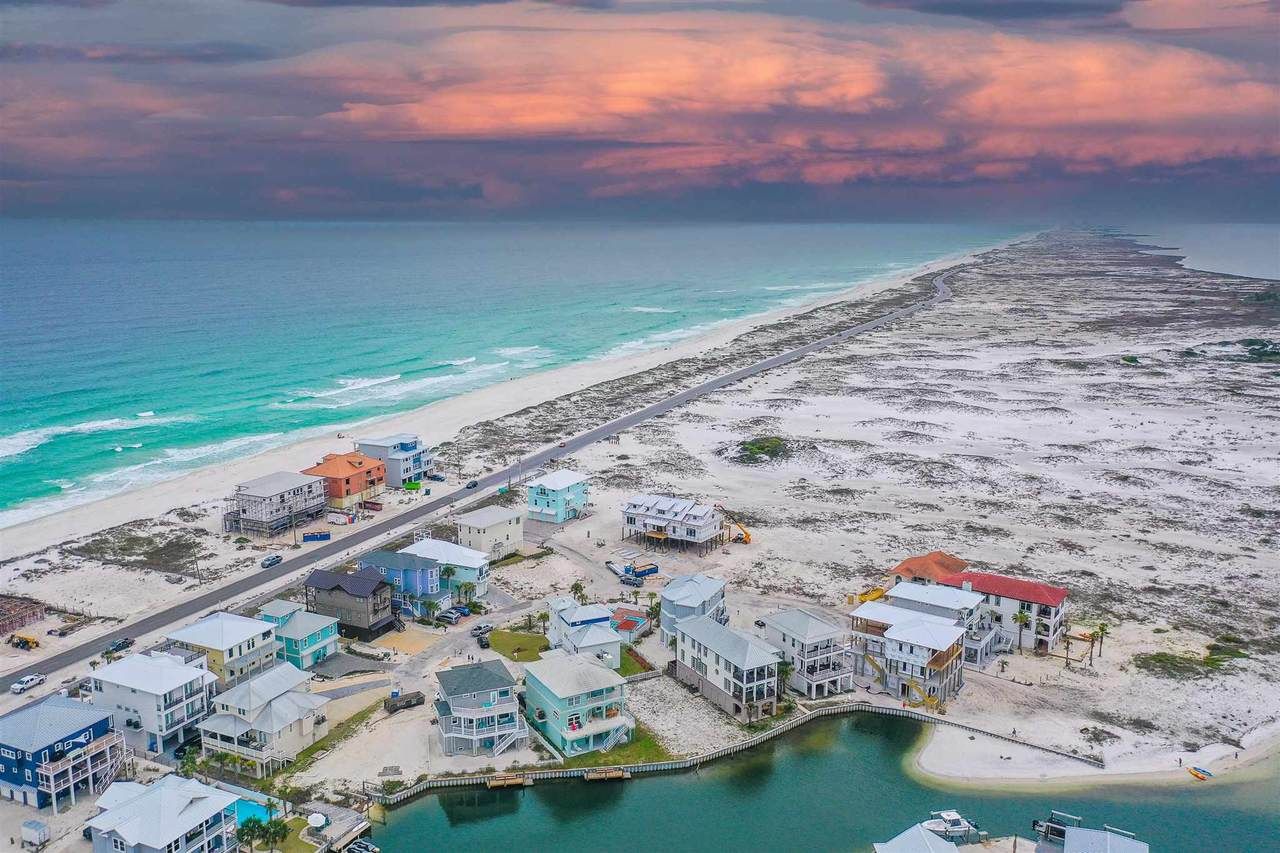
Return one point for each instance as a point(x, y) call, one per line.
point(1240, 248)
point(136, 351)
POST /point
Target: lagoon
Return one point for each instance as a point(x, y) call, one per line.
point(836, 784)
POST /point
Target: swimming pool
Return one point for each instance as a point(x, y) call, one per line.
point(246, 809)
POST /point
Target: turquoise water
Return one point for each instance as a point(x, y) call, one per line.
point(134, 351)
point(246, 809)
point(833, 785)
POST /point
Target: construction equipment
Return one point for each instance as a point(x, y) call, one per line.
point(745, 535)
point(872, 594)
point(23, 641)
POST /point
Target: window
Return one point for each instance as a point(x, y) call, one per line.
point(117, 844)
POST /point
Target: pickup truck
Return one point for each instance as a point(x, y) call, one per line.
point(631, 580)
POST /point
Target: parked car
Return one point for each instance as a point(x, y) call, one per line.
point(759, 623)
point(273, 560)
point(483, 641)
point(450, 616)
point(436, 478)
point(191, 744)
point(119, 645)
point(482, 628)
point(631, 580)
point(462, 609)
point(22, 685)
point(471, 484)
point(562, 444)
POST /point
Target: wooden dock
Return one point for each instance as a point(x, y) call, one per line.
point(508, 780)
point(606, 774)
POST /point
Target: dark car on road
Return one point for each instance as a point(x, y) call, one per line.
point(119, 645)
point(436, 478)
point(472, 484)
point(483, 641)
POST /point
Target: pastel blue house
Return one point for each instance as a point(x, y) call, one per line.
point(305, 638)
point(577, 703)
point(557, 497)
point(414, 581)
point(55, 748)
point(468, 564)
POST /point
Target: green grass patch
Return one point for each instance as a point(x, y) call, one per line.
point(520, 558)
point(1170, 665)
point(294, 843)
point(632, 663)
point(763, 448)
point(518, 646)
point(643, 749)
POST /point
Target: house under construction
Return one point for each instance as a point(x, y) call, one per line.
point(275, 503)
point(17, 612)
point(669, 522)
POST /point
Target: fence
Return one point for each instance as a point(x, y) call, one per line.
point(644, 676)
point(723, 752)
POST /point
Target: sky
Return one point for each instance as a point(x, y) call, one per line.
point(751, 109)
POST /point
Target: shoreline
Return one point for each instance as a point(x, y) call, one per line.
point(438, 421)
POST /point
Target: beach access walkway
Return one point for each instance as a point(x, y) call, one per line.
point(212, 599)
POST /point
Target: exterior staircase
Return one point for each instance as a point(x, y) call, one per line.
point(616, 737)
point(501, 743)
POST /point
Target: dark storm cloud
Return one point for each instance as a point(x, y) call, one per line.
point(401, 4)
point(1006, 10)
point(201, 53)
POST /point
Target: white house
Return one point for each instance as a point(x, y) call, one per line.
point(688, 596)
point(914, 656)
point(172, 814)
point(495, 530)
point(267, 720)
point(236, 647)
point(163, 695)
point(1004, 597)
point(819, 652)
point(982, 641)
point(734, 670)
point(663, 521)
point(468, 565)
point(584, 629)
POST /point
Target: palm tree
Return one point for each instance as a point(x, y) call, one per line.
point(468, 590)
point(189, 764)
point(221, 760)
point(579, 592)
point(653, 606)
point(1022, 619)
point(784, 673)
point(1101, 632)
point(635, 596)
point(544, 617)
point(250, 832)
point(446, 575)
point(432, 607)
point(274, 832)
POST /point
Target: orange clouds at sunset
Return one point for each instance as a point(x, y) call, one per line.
point(622, 103)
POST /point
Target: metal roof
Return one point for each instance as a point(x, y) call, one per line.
point(692, 590)
point(279, 608)
point(593, 634)
point(260, 690)
point(156, 675)
point(154, 815)
point(37, 726)
point(277, 483)
point(303, 623)
point(931, 635)
point(572, 675)
point(557, 480)
point(474, 678)
point(915, 839)
point(935, 595)
point(397, 560)
point(803, 625)
point(487, 516)
point(738, 647)
point(670, 508)
point(221, 630)
point(447, 553)
point(1081, 840)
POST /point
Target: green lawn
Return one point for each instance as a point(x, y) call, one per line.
point(518, 646)
point(630, 664)
point(643, 748)
point(294, 843)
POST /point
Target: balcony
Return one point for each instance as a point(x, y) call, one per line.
point(943, 658)
point(874, 629)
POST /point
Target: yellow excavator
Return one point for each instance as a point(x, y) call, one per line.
point(745, 536)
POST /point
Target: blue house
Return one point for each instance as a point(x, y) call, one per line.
point(407, 460)
point(305, 638)
point(414, 581)
point(557, 497)
point(56, 748)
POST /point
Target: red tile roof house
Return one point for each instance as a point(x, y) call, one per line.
point(927, 568)
point(1004, 596)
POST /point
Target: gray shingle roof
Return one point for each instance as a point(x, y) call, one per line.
point(474, 678)
point(361, 584)
point(37, 726)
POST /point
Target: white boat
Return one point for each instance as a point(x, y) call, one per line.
point(949, 824)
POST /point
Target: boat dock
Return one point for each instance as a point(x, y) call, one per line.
point(508, 780)
point(605, 774)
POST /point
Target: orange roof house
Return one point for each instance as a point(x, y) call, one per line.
point(933, 567)
point(350, 478)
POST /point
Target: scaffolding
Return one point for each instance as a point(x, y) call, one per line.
point(18, 612)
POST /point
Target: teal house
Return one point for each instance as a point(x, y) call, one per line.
point(577, 703)
point(305, 638)
point(557, 497)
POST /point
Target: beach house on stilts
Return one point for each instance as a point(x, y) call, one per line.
point(664, 522)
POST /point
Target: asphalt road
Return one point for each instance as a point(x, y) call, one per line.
point(210, 600)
